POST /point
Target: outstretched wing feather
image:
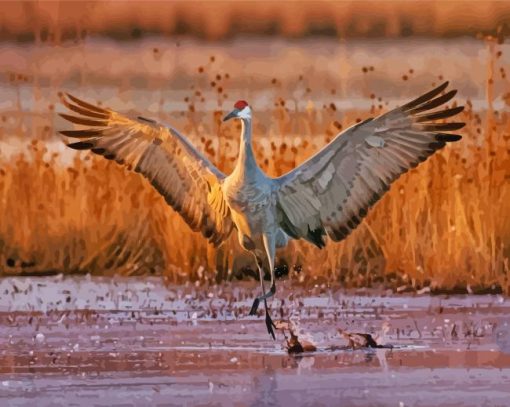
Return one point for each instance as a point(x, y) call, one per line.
point(349, 175)
point(162, 155)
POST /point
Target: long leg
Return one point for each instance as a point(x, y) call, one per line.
point(269, 322)
point(269, 246)
point(256, 301)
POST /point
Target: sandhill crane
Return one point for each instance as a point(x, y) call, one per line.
point(327, 195)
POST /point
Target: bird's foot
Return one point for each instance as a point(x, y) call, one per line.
point(270, 325)
point(255, 307)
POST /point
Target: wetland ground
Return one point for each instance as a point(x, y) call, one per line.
point(122, 341)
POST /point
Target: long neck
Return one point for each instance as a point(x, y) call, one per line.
point(246, 161)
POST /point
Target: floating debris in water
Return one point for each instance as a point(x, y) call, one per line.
point(359, 340)
point(40, 338)
point(294, 345)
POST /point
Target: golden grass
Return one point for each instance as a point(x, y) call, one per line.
point(445, 223)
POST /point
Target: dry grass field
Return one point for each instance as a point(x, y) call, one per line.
point(444, 225)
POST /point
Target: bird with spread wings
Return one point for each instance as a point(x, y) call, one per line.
point(327, 195)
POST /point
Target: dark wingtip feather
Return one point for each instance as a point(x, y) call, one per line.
point(83, 121)
point(441, 126)
point(431, 104)
point(448, 137)
point(316, 236)
point(81, 145)
point(425, 97)
point(436, 145)
point(98, 150)
point(85, 104)
point(80, 133)
point(83, 111)
point(442, 114)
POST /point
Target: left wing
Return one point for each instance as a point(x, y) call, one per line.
point(332, 191)
point(188, 181)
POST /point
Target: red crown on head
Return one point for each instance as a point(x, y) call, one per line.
point(241, 104)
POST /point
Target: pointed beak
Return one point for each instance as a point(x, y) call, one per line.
point(231, 115)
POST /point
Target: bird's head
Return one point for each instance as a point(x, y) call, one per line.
point(241, 111)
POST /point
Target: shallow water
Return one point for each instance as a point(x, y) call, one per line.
point(98, 341)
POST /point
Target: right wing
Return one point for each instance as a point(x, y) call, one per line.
point(332, 191)
point(187, 180)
